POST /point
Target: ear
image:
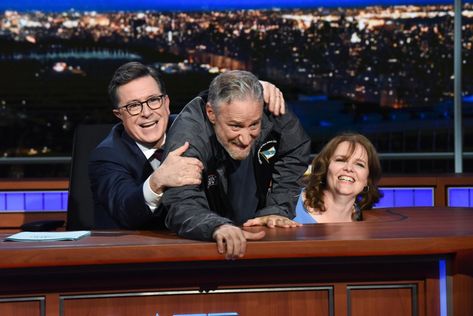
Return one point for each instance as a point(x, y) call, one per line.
point(368, 182)
point(117, 113)
point(167, 101)
point(210, 113)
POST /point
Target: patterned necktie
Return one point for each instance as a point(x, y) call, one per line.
point(158, 154)
point(155, 159)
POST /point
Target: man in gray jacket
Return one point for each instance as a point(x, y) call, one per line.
point(253, 162)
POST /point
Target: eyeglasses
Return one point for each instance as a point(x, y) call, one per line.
point(154, 102)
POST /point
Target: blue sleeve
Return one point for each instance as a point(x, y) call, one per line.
point(301, 213)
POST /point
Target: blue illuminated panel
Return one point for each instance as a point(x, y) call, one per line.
point(443, 287)
point(393, 197)
point(406, 197)
point(64, 195)
point(54, 201)
point(460, 197)
point(33, 201)
point(2, 201)
point(15, 201)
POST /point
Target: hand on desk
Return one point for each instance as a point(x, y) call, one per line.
point(272, 221)
point(231, 240)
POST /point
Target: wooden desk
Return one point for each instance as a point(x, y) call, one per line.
point(386, 265)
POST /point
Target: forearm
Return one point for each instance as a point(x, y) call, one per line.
point(152, 198)
point(283, 204)
point(288, 170)
point(188, 214)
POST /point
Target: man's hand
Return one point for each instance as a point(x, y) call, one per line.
point(271, 221)
point(231, 240)
point(176, 171)
point(273, 98)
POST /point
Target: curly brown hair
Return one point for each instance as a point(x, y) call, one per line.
point(316, 180)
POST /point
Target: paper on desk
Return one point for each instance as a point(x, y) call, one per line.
point(48, 236)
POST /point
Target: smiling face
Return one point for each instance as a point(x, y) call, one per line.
point(148, 127)
point(348, 174)
point(237, 125)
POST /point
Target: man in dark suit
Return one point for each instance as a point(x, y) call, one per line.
point(127, 179)
point(126, 174)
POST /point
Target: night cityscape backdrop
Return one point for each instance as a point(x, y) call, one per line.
point(384, 70)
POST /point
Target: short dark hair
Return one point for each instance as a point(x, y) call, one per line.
point(317, 179)
point(129, 72)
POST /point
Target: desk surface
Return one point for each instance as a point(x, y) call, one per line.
point(399, 231)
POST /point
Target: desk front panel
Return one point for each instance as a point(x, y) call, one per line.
point(309, 286)
point(23, 306)
point(388, 264)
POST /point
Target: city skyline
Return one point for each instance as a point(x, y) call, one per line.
point(195, 5)
point(369, 69)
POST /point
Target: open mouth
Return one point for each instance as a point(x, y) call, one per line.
point(148, 125)
point(346, 178)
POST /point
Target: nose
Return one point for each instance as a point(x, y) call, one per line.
point(348, 166)
point(146, 111)
point(245, 138)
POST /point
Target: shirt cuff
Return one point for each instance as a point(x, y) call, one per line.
point(152, 198)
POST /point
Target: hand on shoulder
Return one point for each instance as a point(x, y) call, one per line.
point(273, 97)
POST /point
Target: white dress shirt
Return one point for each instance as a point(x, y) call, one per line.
point(152, 198)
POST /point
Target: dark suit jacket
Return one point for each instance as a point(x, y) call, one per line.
point(117, 171)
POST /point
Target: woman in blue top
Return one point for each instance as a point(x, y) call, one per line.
point(342, 182)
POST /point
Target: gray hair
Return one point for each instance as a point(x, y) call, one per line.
point(234, 85)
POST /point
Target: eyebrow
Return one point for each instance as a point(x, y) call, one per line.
point(348, 157)
point(149, 96)
point(361, 160)
point(242, 123)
